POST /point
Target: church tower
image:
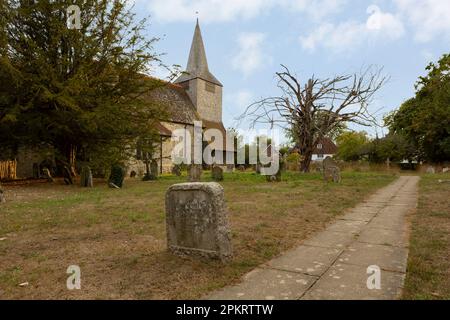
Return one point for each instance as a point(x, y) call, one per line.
point(204, 90)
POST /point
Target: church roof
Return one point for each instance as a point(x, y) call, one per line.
point(197, 66)
point(175, 102)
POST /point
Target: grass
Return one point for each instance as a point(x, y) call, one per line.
point(118, 239)
point(428, 273)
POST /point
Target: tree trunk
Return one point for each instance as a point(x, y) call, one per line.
point(306, 162)
point(72, 157)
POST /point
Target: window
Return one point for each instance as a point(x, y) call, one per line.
point(319, 146)
point(210, 87)
point(320, 156)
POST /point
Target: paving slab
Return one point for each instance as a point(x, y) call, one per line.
point(331, 239)
point(306, 259)
point(347, 226)
point(267, 284)
point(383, 236)
point(349, 282)
point(366, 254)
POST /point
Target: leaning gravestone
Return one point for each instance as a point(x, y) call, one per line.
point(67, 176)
point(330, 170)
point(196, 221)
point(86, 177)
point(176, 170)
point(194, 172)
point(431, 170)
point(116, 177)
point(217, 173)
point(2, 195)
point(47, 175)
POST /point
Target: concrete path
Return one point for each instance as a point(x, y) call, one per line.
point(334, 263)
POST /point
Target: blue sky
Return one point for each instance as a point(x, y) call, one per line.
point(247, 40)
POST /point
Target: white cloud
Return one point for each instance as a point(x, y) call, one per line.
point(229, 10)
point(429, 18)
point(347, 35)
point(250, 56)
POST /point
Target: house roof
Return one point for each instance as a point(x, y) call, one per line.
point(197, 66)
point(328, 147)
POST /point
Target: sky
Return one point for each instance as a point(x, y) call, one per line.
point(247, 40)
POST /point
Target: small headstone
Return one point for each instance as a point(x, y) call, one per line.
point(331, 171)
point(133, 174)
point(241, 168)
point(2, 195)
point(445, 170)
point(67, 176)
point(194, 172)
point(86, 177)
point(176, 170)
point(47, 175)
point(196, 221)
point(230, 168)
point(217, 173)
point(431, 170)
point(117, 176)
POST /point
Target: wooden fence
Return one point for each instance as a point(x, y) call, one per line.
point(8, 170)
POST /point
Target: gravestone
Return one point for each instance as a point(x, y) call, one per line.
point(431, 170)
point(2, 195)
point(194, 172)
point(331, 171)
point(217, 173)
point(445, 170)
point(47, 175)
point(36, 171)
point(86, 177)
point(133, 174)
point(176, 170)
point(117, 176)
point(241, 168)
point(197, 222)
point(67, 176)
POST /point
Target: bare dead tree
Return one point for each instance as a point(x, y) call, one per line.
point(314, 109)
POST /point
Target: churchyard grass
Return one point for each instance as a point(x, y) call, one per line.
point(428, 274)
point(118, 237)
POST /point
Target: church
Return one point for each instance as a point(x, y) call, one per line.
point(196, 95)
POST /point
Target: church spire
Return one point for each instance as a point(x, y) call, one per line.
point(197, 66)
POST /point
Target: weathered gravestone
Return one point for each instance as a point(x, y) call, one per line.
point(47, 175)
point(445, 170)
point(176, 170)
point(117, 176)
point(197, 222)
point(330, 170)
point(2, 195)
point(86, 177)
point(194, 172)
point(217, 173)
point(431, 170)
point(67, 176)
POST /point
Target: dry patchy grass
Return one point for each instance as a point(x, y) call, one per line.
point(117, 237)
point(428, 273)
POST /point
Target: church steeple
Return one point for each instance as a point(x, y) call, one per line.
point(197, 66)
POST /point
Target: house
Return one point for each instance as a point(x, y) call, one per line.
point(324, 148)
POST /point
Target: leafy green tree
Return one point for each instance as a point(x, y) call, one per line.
point(424, 120)
point(79, 91)
point(351, 145)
